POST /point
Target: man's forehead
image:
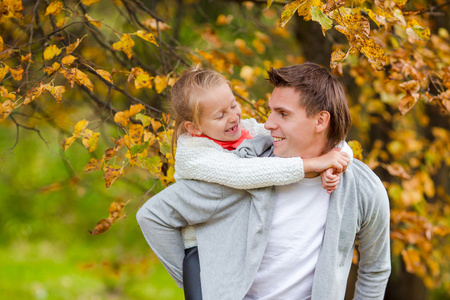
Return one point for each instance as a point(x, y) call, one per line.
point(284, 97)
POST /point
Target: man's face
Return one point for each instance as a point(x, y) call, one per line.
point(294, 133)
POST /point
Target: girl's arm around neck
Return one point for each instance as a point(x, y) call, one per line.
point(208, 163)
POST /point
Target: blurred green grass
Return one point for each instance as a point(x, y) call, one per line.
point(46, 250)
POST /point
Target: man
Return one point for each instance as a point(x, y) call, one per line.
point(290, 242)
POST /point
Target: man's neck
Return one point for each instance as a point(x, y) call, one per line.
point(311, 174)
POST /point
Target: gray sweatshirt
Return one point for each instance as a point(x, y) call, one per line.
point(232, 228)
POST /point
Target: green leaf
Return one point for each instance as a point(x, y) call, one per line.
point(164, 147)
point(318, 16)
point(138, 148)
point(146, 120)
point(153, 164)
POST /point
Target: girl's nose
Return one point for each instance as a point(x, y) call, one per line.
point(234, 117)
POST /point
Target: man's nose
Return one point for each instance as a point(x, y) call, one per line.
point(269, 125)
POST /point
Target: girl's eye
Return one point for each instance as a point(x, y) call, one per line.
point(234, 105)
point(220, 117)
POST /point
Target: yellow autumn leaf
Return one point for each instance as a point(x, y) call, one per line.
point(160, 83)
point(94, 164)
point(374, 53)
point(248, 74)
point(1, 44)
point(412, 88)
point(136, 72)
point(155, 25)
point(337, 57)
point(6, 108)
point(224, 20)
point(17, 73)
point(89, 2)
point(82, 79)
point(115, 211)
point(66, 143)
point(259, 46)
point(51, 51)
point(80, 126)
point(73, 46)
point(69, 59)
point(102, 226)
point(97, 24)
point(155, 124)
point(105, 75)
point(126, 44)
point(56, 91)
point(3, 71)
point(26, 58)
point(50, 70)
point(145, 35)
point(134, 109)
point(240, 44)
point(121, 118)
point(112, 172)
point(356, 148)
point(90, 139)
point(61, 20)
point(32, 94)
point(417, 33)
point(143, 80)
point(5, 94)
point(135, 132)
point(54, 8)
point(302, 7)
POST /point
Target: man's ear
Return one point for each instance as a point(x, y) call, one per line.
point(192, 128)
point(322, 121)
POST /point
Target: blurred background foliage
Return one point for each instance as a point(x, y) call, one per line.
point(85, 131)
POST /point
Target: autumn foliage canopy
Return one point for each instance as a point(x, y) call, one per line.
point(100, 72)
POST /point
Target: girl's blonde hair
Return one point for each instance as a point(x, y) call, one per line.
point(187, 94)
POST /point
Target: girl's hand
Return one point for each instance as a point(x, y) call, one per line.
point(335, 159)
point(330, 179)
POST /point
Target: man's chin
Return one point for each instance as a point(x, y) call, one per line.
point(279, 153)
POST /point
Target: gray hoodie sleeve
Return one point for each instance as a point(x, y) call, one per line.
point(374, 239)
point(162, 217)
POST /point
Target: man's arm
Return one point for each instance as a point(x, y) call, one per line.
point(374, 241)
point(162, 216)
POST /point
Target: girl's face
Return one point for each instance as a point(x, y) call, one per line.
point(221, 115)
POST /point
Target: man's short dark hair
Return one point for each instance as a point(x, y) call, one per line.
point(318, 91)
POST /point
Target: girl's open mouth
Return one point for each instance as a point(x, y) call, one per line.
point(233, 129)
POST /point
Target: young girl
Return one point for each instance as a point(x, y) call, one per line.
point(209, 129)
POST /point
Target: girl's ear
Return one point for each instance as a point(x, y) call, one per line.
point(192, 128)
point(322, 121)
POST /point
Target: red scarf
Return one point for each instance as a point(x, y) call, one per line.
point(231, 145)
